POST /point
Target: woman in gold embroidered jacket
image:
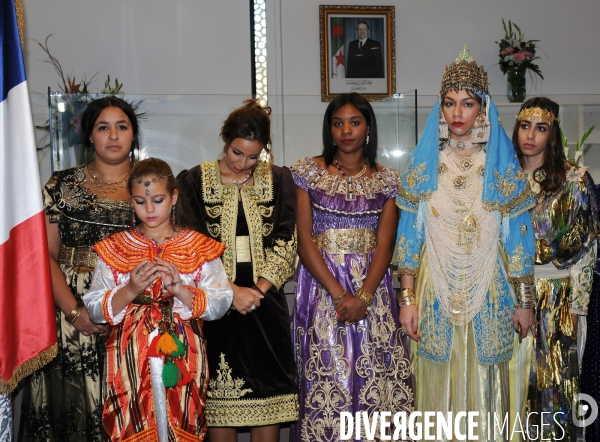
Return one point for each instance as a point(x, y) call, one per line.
point(465, 236)
point(565, 222)
point(250, 205)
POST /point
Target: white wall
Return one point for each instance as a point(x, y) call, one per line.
point(152, 46)
point(430, 34)
point(202, 47)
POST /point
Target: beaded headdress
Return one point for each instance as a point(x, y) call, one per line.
point(147, 183)
point(463, 73)
point(537, 114)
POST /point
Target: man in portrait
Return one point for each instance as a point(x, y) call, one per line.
point(364, 59)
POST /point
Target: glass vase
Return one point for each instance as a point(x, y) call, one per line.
point(515, 85)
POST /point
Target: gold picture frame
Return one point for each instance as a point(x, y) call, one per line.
point(358, 51)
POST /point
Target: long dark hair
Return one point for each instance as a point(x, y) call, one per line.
point(361, 103)
point(251, 121)
point(554, 155)
point(93, 111)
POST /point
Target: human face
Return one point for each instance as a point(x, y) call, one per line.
point(153, 210)
point(362, 30)
point(533, 139)
point(242, 154)
point(349, 129)
point(460, 111)
point(112, 136)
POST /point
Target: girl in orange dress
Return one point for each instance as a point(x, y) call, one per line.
point(153, 285)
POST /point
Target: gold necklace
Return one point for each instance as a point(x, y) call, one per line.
point(105, 188)
point(358, 175)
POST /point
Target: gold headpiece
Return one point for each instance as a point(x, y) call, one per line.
point(463, 73)
point(537, 114)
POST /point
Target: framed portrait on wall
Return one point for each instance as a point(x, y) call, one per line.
point(358, 51)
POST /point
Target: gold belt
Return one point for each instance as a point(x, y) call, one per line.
point(242, 249)
point(346, 241)
point(77, 256)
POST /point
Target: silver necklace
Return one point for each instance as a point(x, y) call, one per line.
point(460, 145)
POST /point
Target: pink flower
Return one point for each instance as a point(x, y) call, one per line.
point(527, 53)
point(519, 56)
point(507, 51)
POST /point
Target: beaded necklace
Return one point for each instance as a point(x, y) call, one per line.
point(350, 186)
point(105, 188)
point(461, 239)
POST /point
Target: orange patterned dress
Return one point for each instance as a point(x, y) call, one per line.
point(138, 406)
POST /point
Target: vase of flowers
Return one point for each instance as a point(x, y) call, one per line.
point(516, 58)
point(516, 85)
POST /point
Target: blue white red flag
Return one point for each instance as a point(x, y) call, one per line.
point(28, 325)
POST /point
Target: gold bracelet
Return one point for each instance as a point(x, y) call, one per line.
point(364, 296)
point(406, 296)
point(525, 295)
point(72, 317)
point(337, 300)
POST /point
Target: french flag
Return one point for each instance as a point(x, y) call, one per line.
point(27, 322)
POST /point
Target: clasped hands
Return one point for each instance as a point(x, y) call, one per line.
point(350, 309)
point(146, 272)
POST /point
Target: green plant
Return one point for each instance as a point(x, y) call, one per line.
point(578, 146)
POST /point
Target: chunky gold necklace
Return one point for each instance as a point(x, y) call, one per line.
point(104, 188)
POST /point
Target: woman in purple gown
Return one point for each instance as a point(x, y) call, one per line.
point(350, 353)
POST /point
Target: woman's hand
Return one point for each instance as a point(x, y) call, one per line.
point(245, 299)
point(524, 321)
point(170, 276)
point(85, 326)
point(141, 277)
point(350, 309)
point(409, 318)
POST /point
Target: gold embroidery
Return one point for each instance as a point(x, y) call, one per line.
point(523, 229)
point(267, 229)
point(214, 230)
point(252, 412)
point(265, 211)
point(225, 387)
point(342, 212)
point(518, 264)
point(414, 176)
point(338, 260)
point(415, 257)
point(380, 367)
point(346, 241)
point(505, 186)
point(214, 211)
point(385, 181)
point(226, 196)
point(403, 248)
point(515, 265)
point(279, 261)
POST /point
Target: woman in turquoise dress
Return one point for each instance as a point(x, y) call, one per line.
point(465, 236)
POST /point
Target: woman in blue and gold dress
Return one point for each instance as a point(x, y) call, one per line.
point(466, 237)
